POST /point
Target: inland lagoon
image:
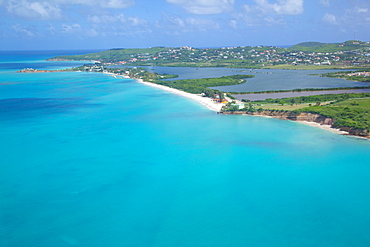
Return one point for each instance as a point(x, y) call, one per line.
point(92, 160)
point(264, 79)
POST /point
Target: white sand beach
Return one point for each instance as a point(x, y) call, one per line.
point(325, 127)
point(214, 106)
point(209, 103)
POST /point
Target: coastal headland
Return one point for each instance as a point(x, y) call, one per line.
point(230, 104)
point(216, 100)
point(351, 116)
point(311, 119)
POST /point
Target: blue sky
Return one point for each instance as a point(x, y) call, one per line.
point(104, 24)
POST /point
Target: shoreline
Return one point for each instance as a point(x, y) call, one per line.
point(217, 107)
point(331, 129)
point(209, 103)
point(326, 127)
point(314, 124)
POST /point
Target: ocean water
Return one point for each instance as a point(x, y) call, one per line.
point(90, 160)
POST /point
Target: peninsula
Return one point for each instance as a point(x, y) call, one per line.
point(345, 111)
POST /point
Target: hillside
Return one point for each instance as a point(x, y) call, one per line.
point(114, 55)
point(348, 112)
point(311, 55)
point(330, 47)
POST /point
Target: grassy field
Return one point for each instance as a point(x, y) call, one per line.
point(349, 113)
point(362, 103)
point(348, 110)
point(285, 107)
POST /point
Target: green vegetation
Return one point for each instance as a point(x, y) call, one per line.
point(113, 55)
point(353, 113)
point(198, 86)
point(314, 98)
point(310, 55)
point(359, 75)
point(195, 86)
point(329, 47)
point(348, 110)
point(300, 90)
point(283, 105)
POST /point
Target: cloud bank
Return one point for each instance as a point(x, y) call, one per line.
point(53, 9)
point(204, 7)
point(282, 7)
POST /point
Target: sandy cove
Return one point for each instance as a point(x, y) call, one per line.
point(208, 102)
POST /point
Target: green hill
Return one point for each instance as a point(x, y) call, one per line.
point(113, 55)
point(329, 47)
point(353, 53)
point(309, 44)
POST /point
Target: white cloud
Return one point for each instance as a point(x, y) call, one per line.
point(269, 13)
point(273, 20)
point(106, 18)
point(136, 21)
point(362, 10)
point(33, 10)
point(201, 24)
point(282, 7)
point(52, 9)
point(70, 28)
point(325, 3)
point(177, 21)
point(177, 25)
point(51, 29)
point(115, 4)
point(24, 31)
point(92, 33)
point(331, 19)
point(204, 7)
point(357, 16)
point(233, 24)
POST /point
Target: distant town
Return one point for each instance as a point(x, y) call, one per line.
point(347, 54)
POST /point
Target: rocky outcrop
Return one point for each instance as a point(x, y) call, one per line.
point(356, 132)
point(288, 115)
point(304, 116)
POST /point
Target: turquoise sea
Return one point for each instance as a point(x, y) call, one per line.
point(90, 160)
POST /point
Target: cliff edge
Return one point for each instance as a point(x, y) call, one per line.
point(304, 116)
